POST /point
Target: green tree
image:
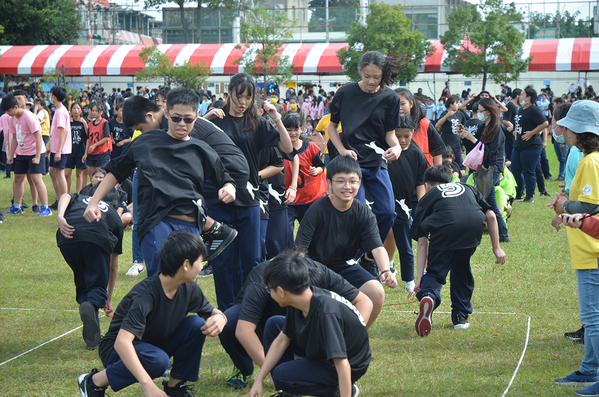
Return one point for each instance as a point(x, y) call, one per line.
point(342, 13)
point(268, 29)
point(565, 24)
point(483, 40)
point(158, 65)
point(389, 32)
point(36, 22)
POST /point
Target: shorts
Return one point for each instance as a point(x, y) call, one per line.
point(356, 275)
point(60, 164)
point(24, 165)
point(75, 162)
point(98, 160)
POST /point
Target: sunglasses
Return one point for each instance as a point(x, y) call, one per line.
point(187, 120)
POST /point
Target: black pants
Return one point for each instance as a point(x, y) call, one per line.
point(91, 270)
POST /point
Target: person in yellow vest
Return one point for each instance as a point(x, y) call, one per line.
point(43, 115)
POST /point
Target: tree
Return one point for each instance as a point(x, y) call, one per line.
point(268, 29)
point(389, 32)
point(158, 65)
point(36, 22)
point(483, 40)
point(565, 24)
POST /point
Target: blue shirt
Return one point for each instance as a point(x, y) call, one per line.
point(571, 166)
point(544, 106)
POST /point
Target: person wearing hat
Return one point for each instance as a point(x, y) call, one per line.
point(582, 121)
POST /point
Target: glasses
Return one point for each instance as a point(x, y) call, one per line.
point(342, 183)
point(187, 120)
point(267, 288)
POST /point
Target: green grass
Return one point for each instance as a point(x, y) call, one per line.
point(536, 281)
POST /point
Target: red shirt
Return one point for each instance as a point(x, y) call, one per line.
point(309, 188)
point(96, 134)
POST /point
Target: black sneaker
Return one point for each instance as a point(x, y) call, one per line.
point(54, 206)
point(518, 199)
point(91, 328)
point(577, 335)
point(2, 217)
point(217, 238)
point(528, 199)
point(88, 390)
point(36, 209)
point(355, 392)
point(237, 380)
point(459, 321)
point(179, 390)
point(206, 271)
point(369, 266)
point(544, 194)
point(284, 394)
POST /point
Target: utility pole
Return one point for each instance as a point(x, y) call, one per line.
point(326, 17)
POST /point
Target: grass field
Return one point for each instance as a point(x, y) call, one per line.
point(37, 305)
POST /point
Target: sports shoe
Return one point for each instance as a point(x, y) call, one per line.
point(35, 208)
point(91, 328)
point(459, 321)
point(45, 211)
point(518, 199)
point(179, 390)
point(237, 380)
point(2, 217)
point(528, 199)
point(544, 193)
point(423, 321)
point(577, 335)
point(369, 266)
point(217, 238)
point(14, 210)
point(592, 390)
point(54, 205)
point(284, 394)
point(206, 271)
point(355, 392)
point(410, 286)
point(88, 390)
point(136, 269)
point(579, 379)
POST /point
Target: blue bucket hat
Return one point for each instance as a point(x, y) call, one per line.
point(582, 117)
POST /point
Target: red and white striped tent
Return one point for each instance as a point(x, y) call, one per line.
point(580, 54)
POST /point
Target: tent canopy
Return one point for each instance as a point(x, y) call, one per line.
point(580, 54)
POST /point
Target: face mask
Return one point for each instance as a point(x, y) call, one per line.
point(481, 117)
point(522, 103)
point(293, 106)
point(273, 100)
point(281, 101)
point(558, 138)
point(307, 100)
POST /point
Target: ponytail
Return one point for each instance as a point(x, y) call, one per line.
point(388, 64)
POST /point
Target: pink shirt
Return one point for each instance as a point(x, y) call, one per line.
point(61, 120)
point(4, 128)
point(24, 127)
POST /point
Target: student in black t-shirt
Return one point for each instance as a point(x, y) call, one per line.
point(327, 331)
point(91, 250)
point(508, 120)
point(171, 169)
point(75, 159)
point(151, 324)
point(529, 124)
point(337, 226)
point(242, 336)
point(407, 176)
point(241, 121)
point(448, 124)
point(120, 135)
point(448, 225)
point(368, 111)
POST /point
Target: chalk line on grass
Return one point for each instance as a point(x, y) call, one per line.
point(37, 347)
point(48, 310)
point(519, 361)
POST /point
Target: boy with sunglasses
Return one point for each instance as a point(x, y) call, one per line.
point(171, 170)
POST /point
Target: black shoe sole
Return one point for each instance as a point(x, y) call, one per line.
point(222, 246)
point(91, 329)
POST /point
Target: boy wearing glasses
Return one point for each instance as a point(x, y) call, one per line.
point(171, 169)
point(336, 226)
point(324, 330)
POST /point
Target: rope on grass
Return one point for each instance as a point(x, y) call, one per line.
point(520, 361)
point(37, 347)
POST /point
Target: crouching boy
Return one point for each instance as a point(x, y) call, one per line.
point(151, 324)
point(321, 327)
point(448, 224)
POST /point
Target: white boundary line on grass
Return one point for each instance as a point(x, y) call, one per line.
point(48, 310)
point(37, 347)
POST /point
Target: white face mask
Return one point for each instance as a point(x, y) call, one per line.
point(558, 138)
point(481, 117)
point(307, 100)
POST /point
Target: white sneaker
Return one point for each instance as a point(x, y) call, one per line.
point(136, 269)
point(410, 285)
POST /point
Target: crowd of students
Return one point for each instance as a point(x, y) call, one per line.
point(363, 171)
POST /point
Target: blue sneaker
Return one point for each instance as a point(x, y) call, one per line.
point(36, 209)
point(580, 379)
point(46, 211)
point(589, 391)
point(14, 210)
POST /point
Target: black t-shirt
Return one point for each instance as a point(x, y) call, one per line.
point(494, 150)
point(406, 173)
point(472, 125)
point(333, 237)
point(453, 214)
point(449, 129)
point(107, 233)
point(170, 175)
point(231, 156)
point(332, 329)
point(275, 184)
point(79, 138)
point(257, 304)
point(151, 316)
point(436, 146)
point(527, 120)
point(509, 116)
point(250, 143)
point(366, 118)
point(119, 132)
